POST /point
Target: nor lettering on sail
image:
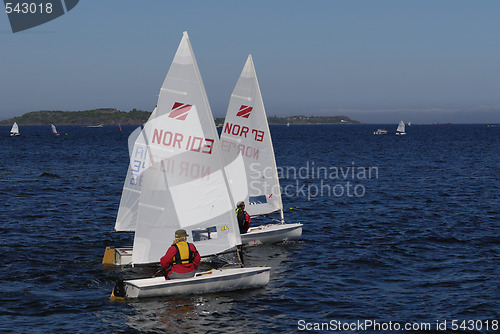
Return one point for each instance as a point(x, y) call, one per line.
point(179, 141)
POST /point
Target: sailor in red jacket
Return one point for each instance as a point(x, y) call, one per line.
point(182, 255)
point(243, 217)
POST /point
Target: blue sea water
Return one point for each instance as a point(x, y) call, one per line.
point(398, 231)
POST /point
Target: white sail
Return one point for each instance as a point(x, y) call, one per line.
point(54, 130)
point(185, 185)
point(14, 131)
point(401, 127)
point(246, 132)
point(126, 219)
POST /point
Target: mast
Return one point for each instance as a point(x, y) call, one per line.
point(271, 147)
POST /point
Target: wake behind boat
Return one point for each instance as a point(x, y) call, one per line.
point(184, 186)
point(246, 140)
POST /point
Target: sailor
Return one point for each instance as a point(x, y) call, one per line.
point(183, 257)
point(243, 217)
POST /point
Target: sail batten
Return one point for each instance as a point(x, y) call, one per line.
point(247, 98)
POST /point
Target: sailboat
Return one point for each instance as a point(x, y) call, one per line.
point(380, 132)
point(246, 133)
point(259, 203)
point(14, 131)
point(401, 128)
point(184, 186)
point(127, 217)
point(54, 130)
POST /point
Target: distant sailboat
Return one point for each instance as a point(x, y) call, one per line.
point(54, 130)
point(401, 128)
point(380, 132)
point(15, 130)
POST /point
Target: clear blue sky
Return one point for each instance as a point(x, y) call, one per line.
point(374, 61)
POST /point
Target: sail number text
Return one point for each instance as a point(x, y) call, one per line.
point(243, 131)
point(178, 140)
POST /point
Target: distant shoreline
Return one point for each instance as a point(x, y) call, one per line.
point(111, 116)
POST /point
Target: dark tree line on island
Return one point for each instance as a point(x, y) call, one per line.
point(111, 116)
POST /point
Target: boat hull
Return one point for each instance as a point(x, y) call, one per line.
point(271, 233)
point(206, 282)
point(120, 256)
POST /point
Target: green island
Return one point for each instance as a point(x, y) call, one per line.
point(111, 116)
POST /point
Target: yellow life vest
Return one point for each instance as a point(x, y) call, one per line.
point(184, 255)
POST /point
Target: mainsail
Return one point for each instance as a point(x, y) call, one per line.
point(401, 127)
point(14, 131)
point(183, 182)
point(246, 133)
point(126, 219)
point(54, 130)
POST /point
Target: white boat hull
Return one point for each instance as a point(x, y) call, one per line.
point(271, 233)
point(206, 282)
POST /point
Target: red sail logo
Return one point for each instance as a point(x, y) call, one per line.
point(244, 111)
point(180, 111)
